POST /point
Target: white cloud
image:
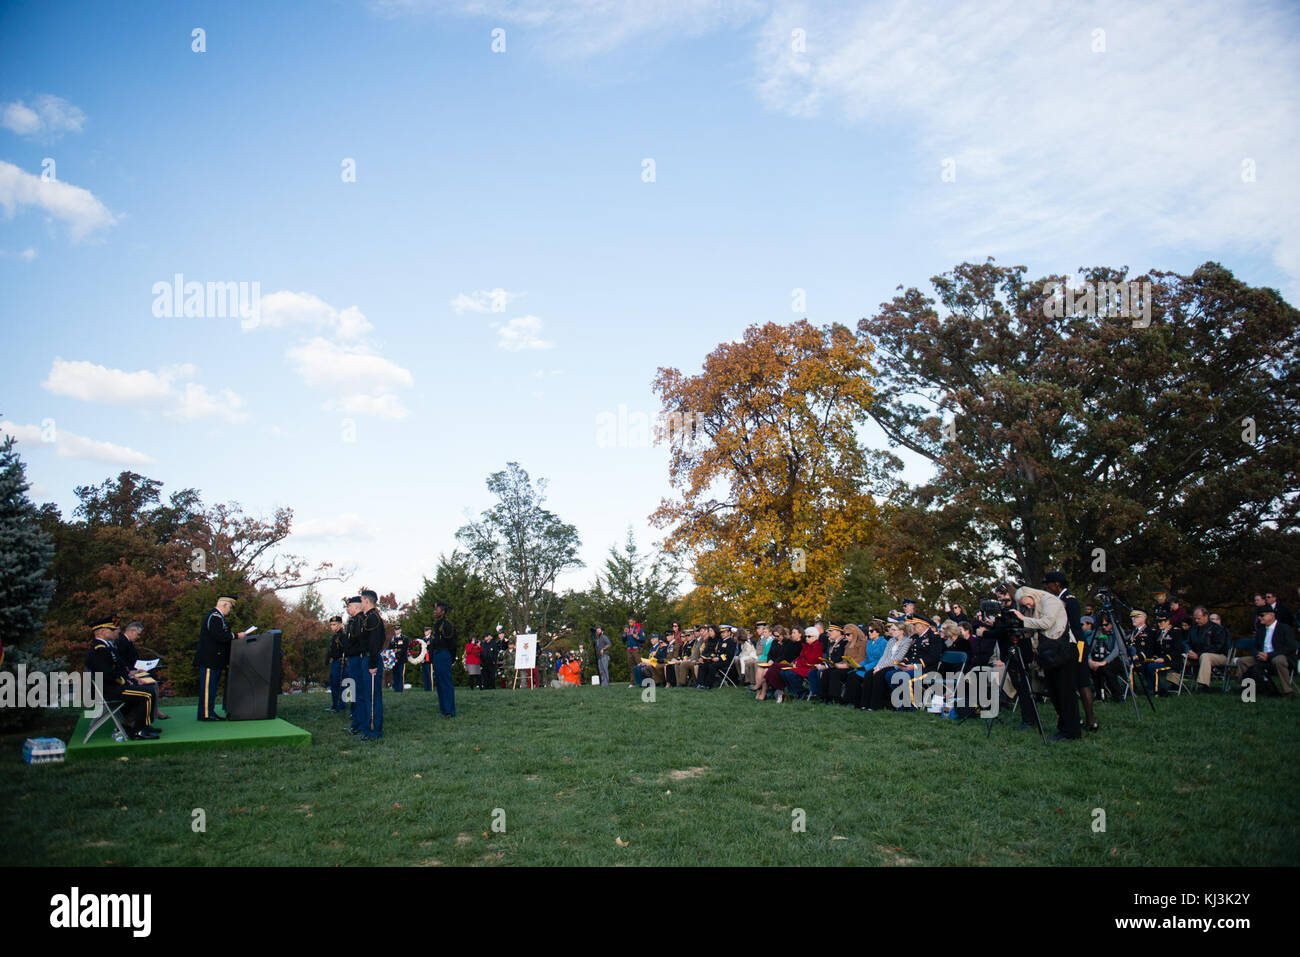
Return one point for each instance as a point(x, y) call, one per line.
point(484, 300)
point(522, 333)
point(286, 308)
point(1062, 152)
point(386, 406)
point(76, 207)
point(69, 445)
point(197, 403)
point(95, 383)
point(49, 116)
point(27, 255)
point(348, 525)
point(321, 362)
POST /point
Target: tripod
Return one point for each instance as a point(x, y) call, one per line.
point(1024, 689)
point(1121, 638)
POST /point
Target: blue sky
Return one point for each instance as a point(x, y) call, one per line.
point(782, 161)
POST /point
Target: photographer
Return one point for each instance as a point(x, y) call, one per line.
point(1000, 627)
point(1056, 583)
point(1057, 655)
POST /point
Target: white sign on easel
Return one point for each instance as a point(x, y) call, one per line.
point(525, 652)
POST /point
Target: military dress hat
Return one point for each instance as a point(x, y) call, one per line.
point(1057, 577)
point(100, 622)
point(226, 598)
point(1162, 616)
point(909, 601)
point(759, 623)
point(726, 628)
point(1137, 611)
point(834, 628)
point(338, 618)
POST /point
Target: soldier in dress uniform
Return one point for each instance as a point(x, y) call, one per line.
point(1162, 604)
point(212, 657)
point(1163, 653)
point(370, 695)
point(352, 645)
point(337, 659)
point(111, 677)
point(426, 666)
point(397, 645)
point(442, 651)
point(1141, 641)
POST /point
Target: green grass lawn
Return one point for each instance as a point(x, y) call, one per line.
point(693, 778)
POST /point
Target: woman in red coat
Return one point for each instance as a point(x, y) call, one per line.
point(794, 674)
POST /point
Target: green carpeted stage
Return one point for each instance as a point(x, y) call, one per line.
point(185, 732)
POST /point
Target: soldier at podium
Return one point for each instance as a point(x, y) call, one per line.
point(213, 656)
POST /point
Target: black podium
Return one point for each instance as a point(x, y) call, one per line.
point(256, 671)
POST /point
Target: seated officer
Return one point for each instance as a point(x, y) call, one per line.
point(112, 680)
point(652, 666)
point(1162, 654)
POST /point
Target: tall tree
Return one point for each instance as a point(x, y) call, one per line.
point(775, 487)
point(519, 546)
point(26, 553)
point(1155, 448)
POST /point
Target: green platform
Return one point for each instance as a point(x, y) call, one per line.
point(183, 731)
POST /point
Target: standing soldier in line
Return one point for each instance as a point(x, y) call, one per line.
point(398, 646)
point(488, 658)
point(337, 660)
point(442, 649)
point(426, 666)
point(212, 657)
point(370, 702)
point(352, 644)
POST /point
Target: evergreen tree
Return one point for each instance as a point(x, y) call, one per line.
point(25, 555)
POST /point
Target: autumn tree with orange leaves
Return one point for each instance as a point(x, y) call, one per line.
point(775, 487)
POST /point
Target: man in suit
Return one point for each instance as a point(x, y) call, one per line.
point(212, 657)
point(1283, 614)
point(1275, 647)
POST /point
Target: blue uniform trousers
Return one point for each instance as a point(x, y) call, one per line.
point(208, 678)
point(354, 672)
point(399, 674)
point(446, 690)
